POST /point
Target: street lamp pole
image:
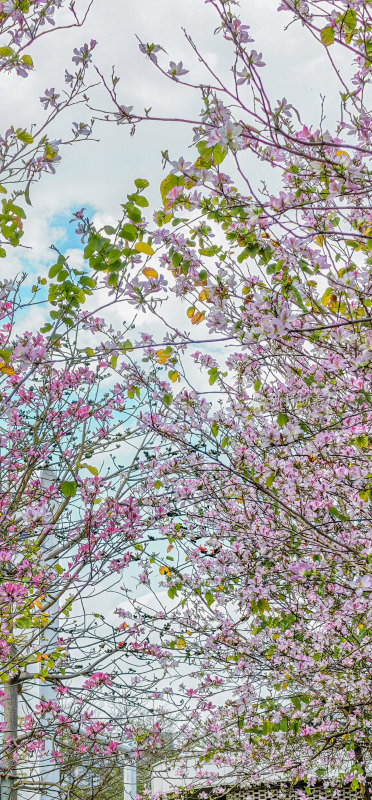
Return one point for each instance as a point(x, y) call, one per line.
point(10, 732)
point(130, 781)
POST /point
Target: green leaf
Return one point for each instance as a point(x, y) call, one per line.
point(327, 35)
point(54, 270)
point(214, 428)
point(257, 385)
point(92, 470)
point(85, 281)
point(113, 255)
point(262, 605)
point(128, 232)
point(141, 183)
point(113, 279)
point(27, 60)
point(361, 441)
point(350, 19)
point(27, 194)
point(266, 727)
point(369, 50)
point(6, 52)
point(109, 230)
point(299, 299)
point(209, 251)
point(219, 153)
point(209, 599)
point(334, 512)
point(213, 375)
point(24, 137)
point(134, 213)
point(24, 622)
point(127, 345)
point(172, 592)
point(68, 488)
point(241, 722)
point(270, 480)
point(139, 200)
point(176, 259)
point(167, 184)
point(167, 399)
point(62, 275)
point(282, 419)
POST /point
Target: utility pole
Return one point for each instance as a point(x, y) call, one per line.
point(130, 781)
point(10, 732)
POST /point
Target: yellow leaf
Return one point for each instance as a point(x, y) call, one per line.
point(319, 240)
point(197, 318)
point(181, 644)
point(326, 297)
point(174, 376)
point(204, 294)
point(190, 312)
point(6, 369)
point(142, 247)
point(150, 272)
point(92, 470)
point(164, 571)
point(44, 621)
point(162, 356)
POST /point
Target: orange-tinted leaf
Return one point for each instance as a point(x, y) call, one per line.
point(197, 318)
point(150, 272)
point(162, 356)
point(6, 369)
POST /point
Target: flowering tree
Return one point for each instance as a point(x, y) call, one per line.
point(69, 459)
point(247, 509)
point(261, 485)
point(65, 419)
